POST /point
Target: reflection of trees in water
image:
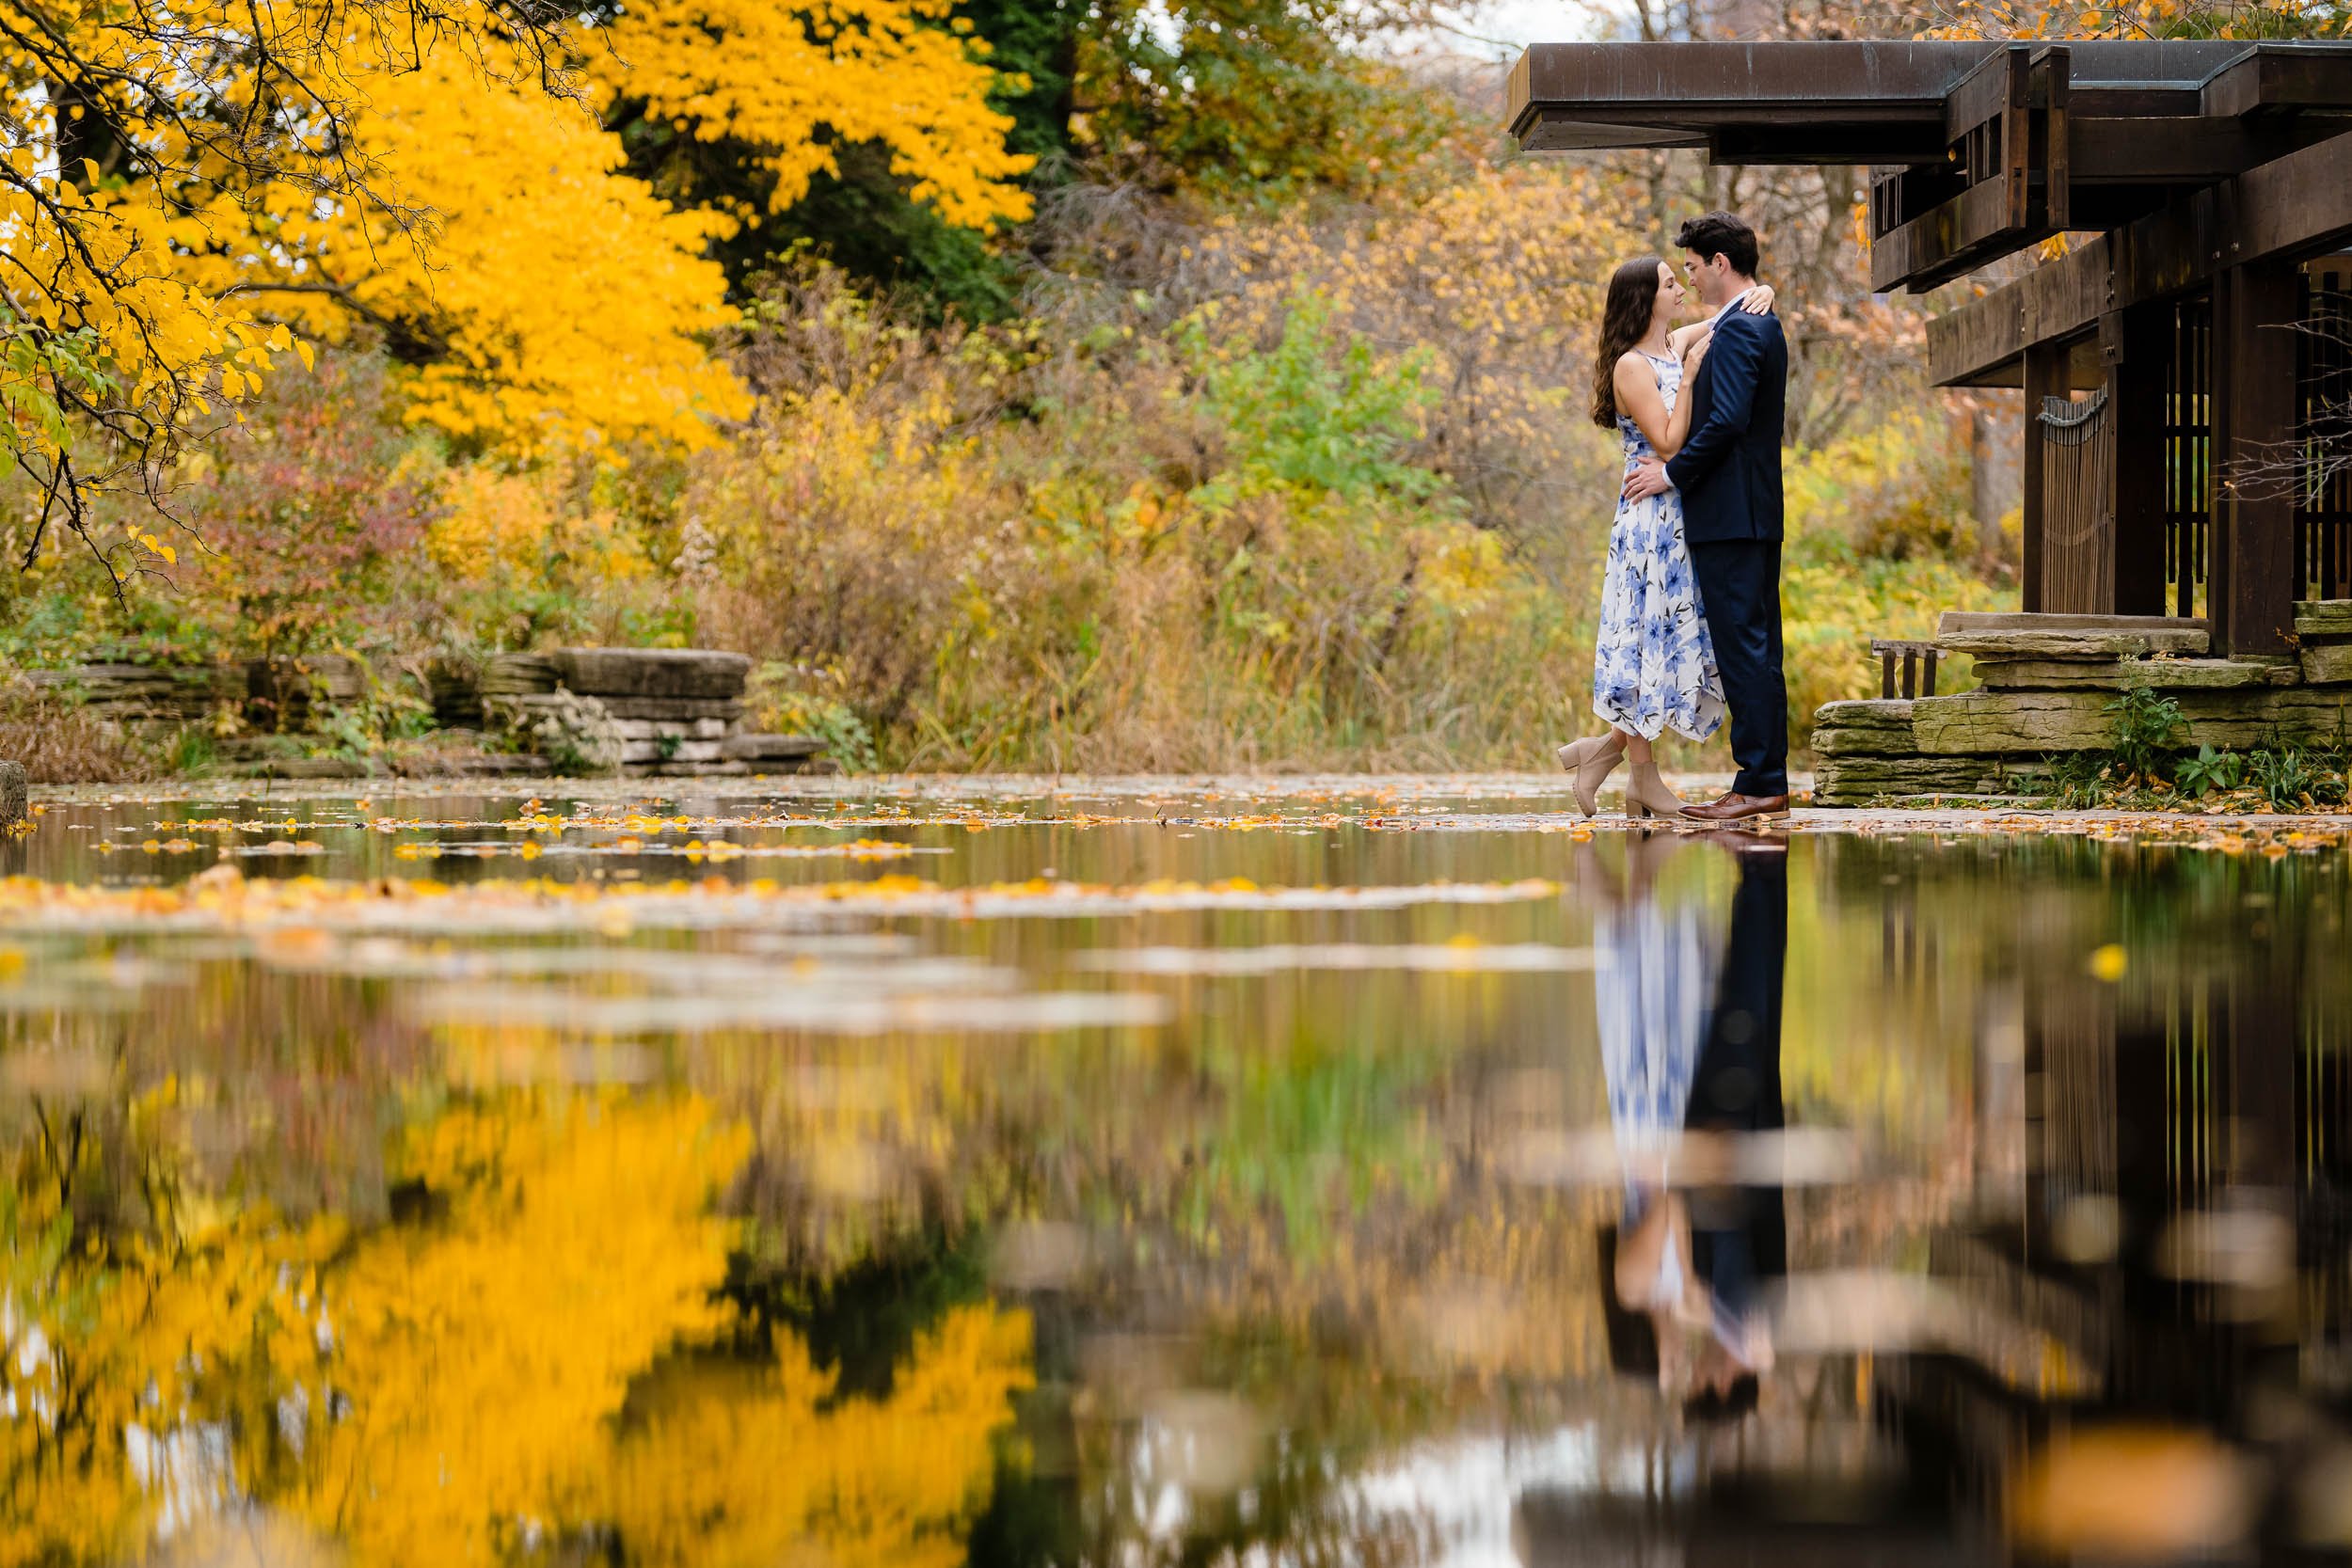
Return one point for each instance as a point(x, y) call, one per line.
point(512, 1359)
point(1299, 1200)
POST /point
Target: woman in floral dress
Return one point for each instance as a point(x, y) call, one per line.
point(1654, 665)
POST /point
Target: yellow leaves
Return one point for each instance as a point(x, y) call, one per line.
point(571, 302)
point(881, 70)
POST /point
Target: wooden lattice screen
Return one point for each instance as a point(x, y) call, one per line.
point(2187, 453)
point(2078, 502)
point(2323, 400)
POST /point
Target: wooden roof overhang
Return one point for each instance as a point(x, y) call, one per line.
point(1981, 149)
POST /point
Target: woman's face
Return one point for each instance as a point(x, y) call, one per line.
point(1670, 294)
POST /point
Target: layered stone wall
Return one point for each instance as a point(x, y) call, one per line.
point(653, 711)
point(2044, 686)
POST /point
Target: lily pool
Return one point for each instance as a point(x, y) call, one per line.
point(1026, 1172)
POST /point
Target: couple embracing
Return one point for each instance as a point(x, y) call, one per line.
point(1690, 607)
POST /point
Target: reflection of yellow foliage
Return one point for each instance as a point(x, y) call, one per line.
point(751, 1466)
point(149, 1331)
point(482, 1352)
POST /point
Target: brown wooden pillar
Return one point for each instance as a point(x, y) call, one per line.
point(2250, 574)
point(2045, 376)
point(2138, 347)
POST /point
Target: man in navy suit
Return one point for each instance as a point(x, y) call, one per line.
point(1728, 472)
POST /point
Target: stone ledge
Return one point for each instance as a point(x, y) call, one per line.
point(689, 673)
point(1853, 780)
point(1986, 723)
point(770, 747)
point(2062, 644)
point(2323, 618)
point(2124, 675)
point(2327, 664)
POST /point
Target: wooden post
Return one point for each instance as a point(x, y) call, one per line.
point(14, 809)
point(2045, 377)
point(2136, 378)
point(2250, 574)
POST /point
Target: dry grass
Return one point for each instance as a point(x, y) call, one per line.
point(63, 743)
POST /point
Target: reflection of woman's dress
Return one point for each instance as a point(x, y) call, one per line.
point(1653, 985)
point(1653, 663)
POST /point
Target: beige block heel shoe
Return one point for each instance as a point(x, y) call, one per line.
point(1647, 794)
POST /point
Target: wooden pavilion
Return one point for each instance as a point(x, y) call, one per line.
point(2173, 365)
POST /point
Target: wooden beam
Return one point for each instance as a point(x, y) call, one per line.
point(2143, 341)
point(1832, 101)
point(2045, 376)
point(2006, 121)
point(2249, 572)
point(2268, 79)
point(2300, 201)
point(1956, 237)
point(2177, 152)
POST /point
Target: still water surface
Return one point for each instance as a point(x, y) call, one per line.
point(1371, 1174)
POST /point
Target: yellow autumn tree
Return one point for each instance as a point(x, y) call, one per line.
point(905, 73)
point(180, 185)
point(546, 301)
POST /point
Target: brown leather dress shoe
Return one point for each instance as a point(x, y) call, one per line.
point(1734, 806)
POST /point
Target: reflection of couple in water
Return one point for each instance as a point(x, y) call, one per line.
point(1690, 1032)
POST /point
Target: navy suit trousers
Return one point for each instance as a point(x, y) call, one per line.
point(1739, 589)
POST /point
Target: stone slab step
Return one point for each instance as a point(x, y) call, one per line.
point(683, 729)
point(1855, 781)
point(682, 714)
point(2326, 663)
point(1953, 623)
point(686, 769)
point(2060, 643)
point(670, 750)
point(772, 748)
point(2122, 675)
point(652, 672)
point(517, 675)
point(2026, 723)
point(1889, 714)
point(1872, 726)
point(2323, 618)
point(674, 710)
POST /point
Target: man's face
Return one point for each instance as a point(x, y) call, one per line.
point(1710, 279)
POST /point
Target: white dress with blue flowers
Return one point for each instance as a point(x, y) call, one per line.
point(1654, 666)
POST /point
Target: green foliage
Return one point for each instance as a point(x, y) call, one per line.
point(2291, 778)
point(40, 366)
point(190, 752)
point(1312, 414)
point(2208, 773)
point(2146, 722)
point(782, 705)
point(1253, 100)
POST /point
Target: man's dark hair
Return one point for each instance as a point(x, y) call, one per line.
point(1716, 234)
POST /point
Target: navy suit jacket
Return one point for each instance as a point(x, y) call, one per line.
point(1728, 469)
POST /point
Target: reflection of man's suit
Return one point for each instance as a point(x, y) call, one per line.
point(1740, 1235)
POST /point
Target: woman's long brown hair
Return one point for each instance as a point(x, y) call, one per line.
point(1623, 322)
